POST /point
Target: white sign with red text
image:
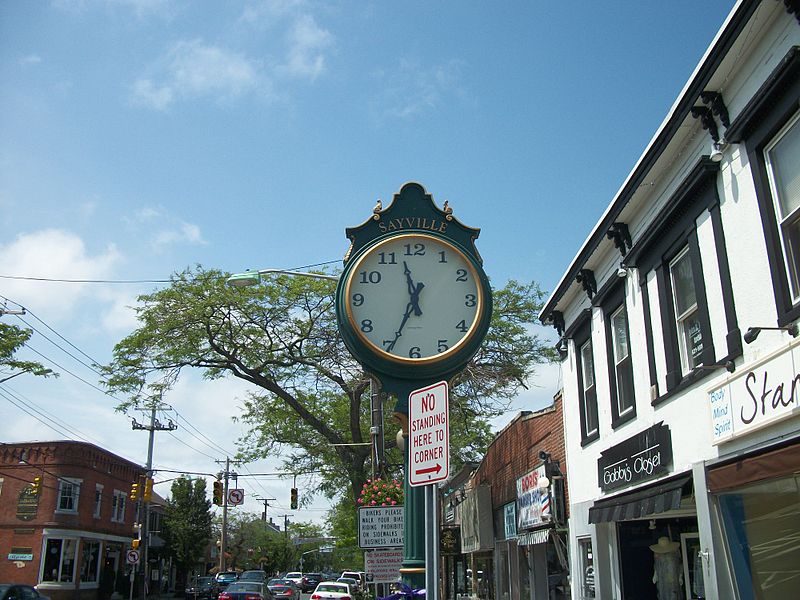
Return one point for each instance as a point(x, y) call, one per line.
point(428, 435)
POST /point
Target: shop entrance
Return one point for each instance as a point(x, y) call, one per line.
point(657, 549)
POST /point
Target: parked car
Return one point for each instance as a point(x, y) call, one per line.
point(256, 575)
point(246, 590)
point(285, 589)
point(202, 587)
point(225, 578)
point(295, 576)
point(331, 590)
point(359, 576)
point(15, 591)
point(312, 580)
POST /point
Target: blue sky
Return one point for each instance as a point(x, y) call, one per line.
point(139, 137)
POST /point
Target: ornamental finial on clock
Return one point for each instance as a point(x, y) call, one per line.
point(448, 210)
point(376, 210)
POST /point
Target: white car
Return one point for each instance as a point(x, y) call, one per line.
point(332, 590)
point(297, 577)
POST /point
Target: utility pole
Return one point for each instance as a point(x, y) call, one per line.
point(223, 544)
point(286, 541)
point(155, 425)
point(377, 428)
point(266, 505)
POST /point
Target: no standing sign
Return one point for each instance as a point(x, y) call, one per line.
point(428, 435)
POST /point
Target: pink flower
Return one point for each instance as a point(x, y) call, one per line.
point(394, 502)
point(372, 503)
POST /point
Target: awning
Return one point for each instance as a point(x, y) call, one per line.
point(633, 505)
point(534, 537)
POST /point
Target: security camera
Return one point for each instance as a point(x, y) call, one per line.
point(622, 272)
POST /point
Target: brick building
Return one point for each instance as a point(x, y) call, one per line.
point(69, 539)
point(511, 513)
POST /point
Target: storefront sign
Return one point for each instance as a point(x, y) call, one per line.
point(27, 504)
point(510, 518)
point(758, 395)
point(20, 554)
point(639, 458)
point(533, 501)
point(380, 527)
point(450, 540)
point(475, 515)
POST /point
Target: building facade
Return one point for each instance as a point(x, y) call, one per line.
point(678, 324)
point(69, 537)
point(511, 512)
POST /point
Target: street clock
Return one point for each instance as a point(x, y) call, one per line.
point(413, 302)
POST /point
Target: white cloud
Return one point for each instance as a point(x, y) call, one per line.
point(53, 254)
point(411, 89)
point(265, 12)
point(121, 315)
point(307, 41)
point(185, 232)
point(191, 69)
point(30, 59)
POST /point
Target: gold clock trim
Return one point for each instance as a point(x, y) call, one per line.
point(481, 303)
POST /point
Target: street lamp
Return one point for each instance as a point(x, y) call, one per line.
point(254, 277)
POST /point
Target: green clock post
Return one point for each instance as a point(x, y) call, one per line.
point(413, 306)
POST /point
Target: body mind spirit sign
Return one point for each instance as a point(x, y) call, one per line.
point(760, 394)
point(644, 456)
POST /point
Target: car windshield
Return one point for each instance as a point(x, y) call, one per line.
point(240, 586)
point(226, 576)
point(333, 587)
point(251, 576)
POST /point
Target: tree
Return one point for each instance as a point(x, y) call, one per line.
point(309, 396)
point(12, 338)
point(187, 524)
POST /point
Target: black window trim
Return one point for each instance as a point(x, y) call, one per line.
point(581, 334)
point(770, 109)
point(611, 304)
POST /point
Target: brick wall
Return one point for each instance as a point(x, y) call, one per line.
point(515, 452)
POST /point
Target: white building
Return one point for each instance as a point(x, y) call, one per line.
point(679, 424)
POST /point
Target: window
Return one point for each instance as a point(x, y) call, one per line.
point(620, 366)
point(69, 491)
point(59, 560)
point(118, 506)
point(586, 566)
point(782, 158)
point(98, 499)
point(90, 565)
point(588, 392)
point(686, 312)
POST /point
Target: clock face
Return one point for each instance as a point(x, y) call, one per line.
point(414, 298)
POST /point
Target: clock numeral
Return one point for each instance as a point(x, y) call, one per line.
point(387, 344)
point(443, 345)
point(470, 300)
point(442, 257)
point(461, 275)
point(371, 277)
point(358, 299)
point(384, 256)
point(462, 326)
point(366, 325)
point(414, 352)
point(415, 250)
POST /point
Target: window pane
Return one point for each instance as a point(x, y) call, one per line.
point(590, 401)
point(791, 243)
point(692, 339)
point(619, 330)
point(587, 365)
point(68, 560)
point(683, 285)
point(586, 575)
point(52, 560)
point(67, 497)
point(624, 386)
point(784, 160)
point(90, 563)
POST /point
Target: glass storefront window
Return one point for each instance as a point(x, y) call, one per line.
point(761, 523)
point(90, 563)
point(59, 561)
point(586, 566)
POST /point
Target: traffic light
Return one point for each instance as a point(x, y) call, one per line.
point(218, 492)
point(147, 494)
point(134, 492)
point(135, 544)
point(294, 499)
point(36, 486)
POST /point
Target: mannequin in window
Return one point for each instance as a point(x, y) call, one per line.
point(667, 572)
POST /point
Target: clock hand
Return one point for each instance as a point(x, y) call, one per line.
point(413, 290)
point(399, 332)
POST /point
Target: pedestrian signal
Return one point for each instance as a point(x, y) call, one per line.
point(294, 499)
point(218, 493)
point(36, 486)
point(134, 491)
point(148, 490)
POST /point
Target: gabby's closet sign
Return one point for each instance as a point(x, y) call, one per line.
point(757, 395)
point(533, 503)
